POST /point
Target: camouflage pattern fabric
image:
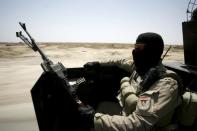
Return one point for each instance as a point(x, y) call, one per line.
point(142, 111)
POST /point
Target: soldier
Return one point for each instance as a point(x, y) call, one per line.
point(148, 97)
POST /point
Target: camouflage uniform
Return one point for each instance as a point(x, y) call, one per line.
point(143, 110)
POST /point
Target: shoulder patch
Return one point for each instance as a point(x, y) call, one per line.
point(144, 102)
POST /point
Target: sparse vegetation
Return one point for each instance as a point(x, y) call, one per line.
point(16, 50)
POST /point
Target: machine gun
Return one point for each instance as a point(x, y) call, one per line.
point(55, 100)
point(47, 65)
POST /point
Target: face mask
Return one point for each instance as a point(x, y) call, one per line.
point(148, 56)
point(143, 60)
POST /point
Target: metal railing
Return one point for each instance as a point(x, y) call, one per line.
point(190, 8)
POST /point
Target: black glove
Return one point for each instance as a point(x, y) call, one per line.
point(87, 116)
point(91, 71)
point(92, 65)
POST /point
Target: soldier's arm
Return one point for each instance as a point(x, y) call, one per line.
point(127, 95)
point(152, 106)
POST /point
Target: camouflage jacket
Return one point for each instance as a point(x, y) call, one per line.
point(143, 110)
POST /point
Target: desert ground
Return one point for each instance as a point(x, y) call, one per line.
point(20, 68)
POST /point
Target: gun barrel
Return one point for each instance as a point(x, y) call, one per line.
point(31, 44)
point(23, 38)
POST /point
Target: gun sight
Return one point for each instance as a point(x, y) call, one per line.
point(18, 34)
point(23, 25)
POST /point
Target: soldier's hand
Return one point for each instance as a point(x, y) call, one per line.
point(92, 71)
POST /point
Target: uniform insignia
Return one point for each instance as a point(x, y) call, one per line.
point(172, 90)
point(144, 103)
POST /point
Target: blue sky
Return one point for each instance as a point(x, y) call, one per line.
point(119, 21)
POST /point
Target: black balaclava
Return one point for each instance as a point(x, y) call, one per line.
point(150, 56)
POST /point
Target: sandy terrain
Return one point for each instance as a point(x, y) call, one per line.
point(20, 68)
